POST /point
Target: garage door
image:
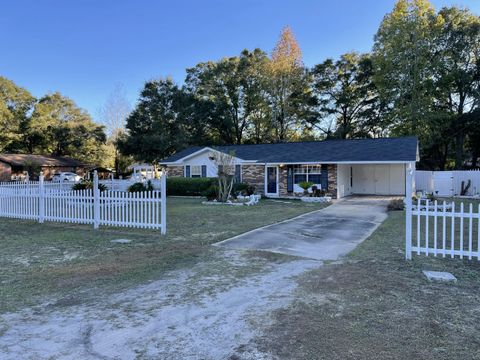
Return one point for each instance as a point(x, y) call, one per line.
point(386, 179)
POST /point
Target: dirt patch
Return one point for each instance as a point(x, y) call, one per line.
point(190, 314)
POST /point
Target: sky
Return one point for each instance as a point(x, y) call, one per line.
point(85, 48)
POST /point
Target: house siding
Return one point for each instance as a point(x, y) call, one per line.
point(254, 175)
point(175, 171)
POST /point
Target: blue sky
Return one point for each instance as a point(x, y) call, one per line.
point(83, 48)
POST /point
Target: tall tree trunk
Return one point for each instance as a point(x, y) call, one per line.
point(459, 143)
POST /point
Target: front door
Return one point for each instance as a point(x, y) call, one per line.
point(271, 180)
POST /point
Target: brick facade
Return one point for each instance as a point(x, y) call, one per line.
point(5, 172)
point(254, 175)
point(175, 171)
point(332, 181)
point(282, 181)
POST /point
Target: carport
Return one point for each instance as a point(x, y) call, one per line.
point(371, 179)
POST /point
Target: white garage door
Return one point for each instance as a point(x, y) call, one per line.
point(386, 179)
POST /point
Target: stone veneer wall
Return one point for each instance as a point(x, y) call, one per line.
point(282, 181)
point(332, 181)
point(175, 171)
point(254, 175)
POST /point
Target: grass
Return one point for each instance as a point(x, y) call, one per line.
point(70, 264)
point(377, 305)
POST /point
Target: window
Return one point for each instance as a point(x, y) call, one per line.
point(196, 171)
point(310, 173)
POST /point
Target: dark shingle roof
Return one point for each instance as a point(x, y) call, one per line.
point(382, 149)
point(43, 160)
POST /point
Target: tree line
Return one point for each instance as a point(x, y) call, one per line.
point(421, 78)
point(52, 125)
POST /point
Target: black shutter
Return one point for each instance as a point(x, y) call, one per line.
point(204, 170)
point(187, 170)
point(324, 177)
point(290, 178)
point(238, 176)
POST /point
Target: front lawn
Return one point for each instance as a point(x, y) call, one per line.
point(74, 263)
point(377, 305)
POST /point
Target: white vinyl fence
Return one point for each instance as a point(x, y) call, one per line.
point(442, 228)
point(448, 183)
point(43, 201)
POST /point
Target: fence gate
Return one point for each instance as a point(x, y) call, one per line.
point(443, 183)
point(441, 228)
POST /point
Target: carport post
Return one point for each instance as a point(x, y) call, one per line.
point(408, 213)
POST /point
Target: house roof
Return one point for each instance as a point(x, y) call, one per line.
point(43, 160)
point(400, 149)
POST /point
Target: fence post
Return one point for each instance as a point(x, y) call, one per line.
point(408, 213)
point(163, 204)
point(41, 198)
point(96, 201)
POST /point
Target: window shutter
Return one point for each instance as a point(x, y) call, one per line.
point(324, 177)
point(289, 178)
point(220, 169)
point(187, 170)
point(238, 173)
point(204, 170)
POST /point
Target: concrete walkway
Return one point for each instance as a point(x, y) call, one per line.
point(326, 234)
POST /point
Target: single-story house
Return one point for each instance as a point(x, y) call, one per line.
point(14, 166)
point(340, 167)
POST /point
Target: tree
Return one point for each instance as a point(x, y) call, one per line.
point(113, 114)
point(232, 88)
point(345, 91)
point(155, 128)
point(16, 104)
point(225, 177)
point(458, 73)
point(288, 90)
point(404, 63)
point(58, 127)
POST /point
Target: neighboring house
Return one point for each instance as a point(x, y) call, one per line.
point(13, 166)
point(341, 167)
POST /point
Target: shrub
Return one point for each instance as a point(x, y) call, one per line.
point(140, 187)
point(211, 193)
point(395, 205)
point(88, 185)
point(243, 189)
point(180, 186)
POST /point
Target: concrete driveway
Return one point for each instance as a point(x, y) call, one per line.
point(326, 234)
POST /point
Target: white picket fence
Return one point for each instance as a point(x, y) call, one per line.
point(43, 201)
point(447, 183)
point(442, 228)
point(123, 185)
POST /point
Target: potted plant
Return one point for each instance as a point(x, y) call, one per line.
point(305, 185)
